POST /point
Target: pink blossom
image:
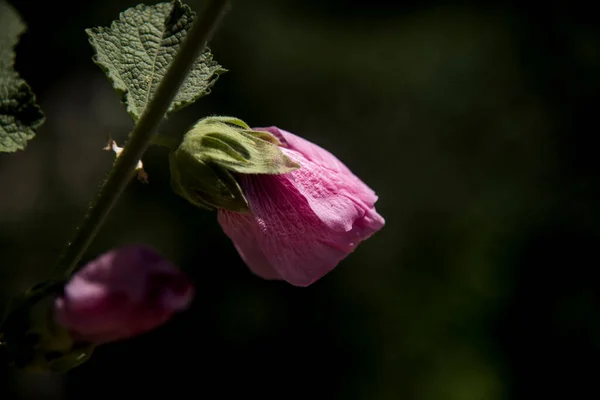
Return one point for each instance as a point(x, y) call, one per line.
point(303, 223)
point(122, 293)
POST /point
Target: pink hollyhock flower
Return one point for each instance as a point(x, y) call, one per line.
point(303, 223)
point(122, 293)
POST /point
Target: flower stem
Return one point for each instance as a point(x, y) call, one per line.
point(124, 166)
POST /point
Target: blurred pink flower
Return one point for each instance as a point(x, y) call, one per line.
point(303, 223)
point(122, 293)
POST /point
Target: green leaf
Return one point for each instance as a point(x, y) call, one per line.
point(136, 50)
point(20, 116)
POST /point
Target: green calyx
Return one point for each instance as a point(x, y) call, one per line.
point(213, 152)
point(32, 341)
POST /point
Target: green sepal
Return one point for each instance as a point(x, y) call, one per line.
point(231, 144)
point(214, 153)
point(204, 185)
point(32, 341)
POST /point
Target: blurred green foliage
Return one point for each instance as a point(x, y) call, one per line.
point(476, 127)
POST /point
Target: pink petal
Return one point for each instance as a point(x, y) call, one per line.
point(325, 159)
point(332, 199)
point(308, 149)
point(303, 223)
point(241, 229)
point(122, 293)
point(285, 229)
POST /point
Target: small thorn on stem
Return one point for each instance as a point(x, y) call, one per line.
point(142, 176)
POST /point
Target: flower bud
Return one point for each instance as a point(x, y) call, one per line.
point(216, 148)
point(123, 293)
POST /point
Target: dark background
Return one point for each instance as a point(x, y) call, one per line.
point(475, 125)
